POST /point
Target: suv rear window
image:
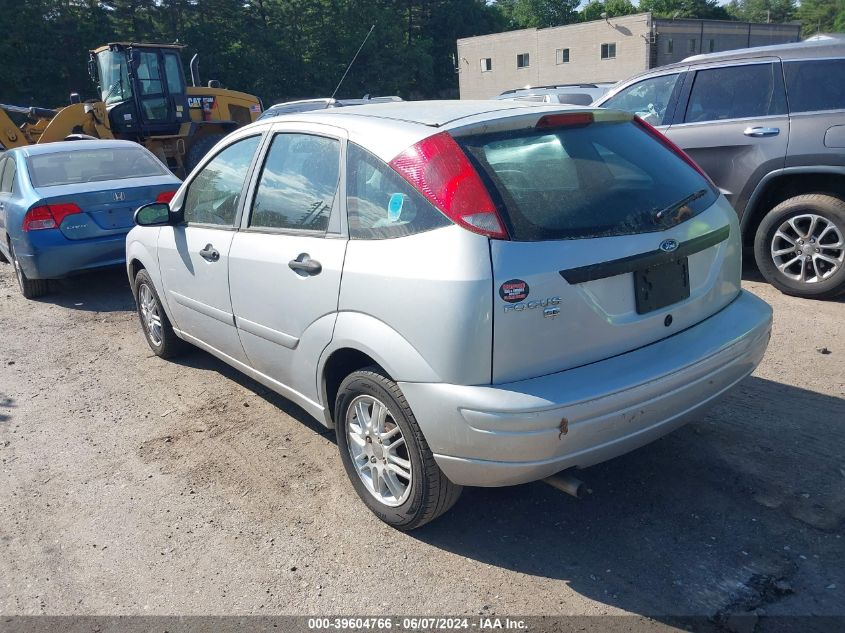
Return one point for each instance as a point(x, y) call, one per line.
point(66, 168)
point(600, 180)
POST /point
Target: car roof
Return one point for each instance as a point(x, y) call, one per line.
point(72, 146)
point(386, 129)
point(429, 113)
point(787, 52)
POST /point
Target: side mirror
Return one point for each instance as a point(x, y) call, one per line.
point(153, 214)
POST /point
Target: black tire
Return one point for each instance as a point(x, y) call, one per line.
point(431, 493)
point(30, 288)
point(200, 148)
point(169, 344)
point(832, 210)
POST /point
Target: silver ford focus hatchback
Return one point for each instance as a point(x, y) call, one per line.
point(471, 293)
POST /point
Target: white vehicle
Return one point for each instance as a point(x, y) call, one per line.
point(471, 293)
point(572, 94)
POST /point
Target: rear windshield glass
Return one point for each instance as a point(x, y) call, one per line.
point(599, 180)
point(66, 168)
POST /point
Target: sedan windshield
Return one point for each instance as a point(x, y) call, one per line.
point(65, 168)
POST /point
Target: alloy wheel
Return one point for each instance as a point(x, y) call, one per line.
point(808, 248)
point(378, 450)
point(150, 314)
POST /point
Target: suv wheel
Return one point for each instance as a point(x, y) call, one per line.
point(385, 454)
point(800, 246)
point(30, 288)
point(157, 329)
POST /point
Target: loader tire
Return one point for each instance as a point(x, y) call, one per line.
point(200, 149)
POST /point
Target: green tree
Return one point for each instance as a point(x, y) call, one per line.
point(706, 9)
point(613, 8)
point(538, 13)
point(822, 16)
point(762, 10)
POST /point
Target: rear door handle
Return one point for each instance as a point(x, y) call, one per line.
point(209, 253)
point(761, 131)
point(304, 264)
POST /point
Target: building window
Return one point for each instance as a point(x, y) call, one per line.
point(608, 51)
point(486, 64)
point(692, 46)
point(712, 45)
point(562, 56)
point(670, 45)
point(522, 60)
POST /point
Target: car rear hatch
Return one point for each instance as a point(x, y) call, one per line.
point(615, 239)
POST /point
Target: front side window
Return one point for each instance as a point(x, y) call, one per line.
point(815, 85)
point(648, 99)
point(735, 92)
point(298, 183)
point(562, 56)
point(381, 204)
point(608, 51)
point(522, 60)
point(215, 192)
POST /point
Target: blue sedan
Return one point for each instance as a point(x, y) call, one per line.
point(66, 207)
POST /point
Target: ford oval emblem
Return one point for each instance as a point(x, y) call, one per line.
point(667, 246)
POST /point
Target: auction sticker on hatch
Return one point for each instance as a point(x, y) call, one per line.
point(514, 290)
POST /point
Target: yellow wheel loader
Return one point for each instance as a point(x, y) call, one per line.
point(143, 98)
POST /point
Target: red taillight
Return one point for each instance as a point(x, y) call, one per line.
point(568, 119)
point(662, 138)
point(48, 216)
point(165, 196)
point(438, 168)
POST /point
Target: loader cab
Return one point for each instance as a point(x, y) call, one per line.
point(143, 87)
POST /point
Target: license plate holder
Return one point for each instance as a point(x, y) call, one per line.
point(661, 285)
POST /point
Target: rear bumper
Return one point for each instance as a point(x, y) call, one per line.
point(515, 433)
point(51, 256)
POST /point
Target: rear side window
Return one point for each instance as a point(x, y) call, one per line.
point(7, 175)
point(380, 204)
point(599, 180)
point(815, 85)
point(736, 92)
point(95, 165)
point(298, 183)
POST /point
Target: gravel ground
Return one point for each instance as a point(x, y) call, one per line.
point(132, 485)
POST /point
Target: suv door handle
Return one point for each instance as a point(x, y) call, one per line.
point(209, 253)
point(761, 131)
point(306, 265)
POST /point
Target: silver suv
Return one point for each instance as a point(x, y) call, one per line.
point(471, 293)
point(767, 125)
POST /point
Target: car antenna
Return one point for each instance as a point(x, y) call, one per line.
point(346, 72)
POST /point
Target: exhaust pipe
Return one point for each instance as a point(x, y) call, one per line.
point(195, 70)
point(571, 485)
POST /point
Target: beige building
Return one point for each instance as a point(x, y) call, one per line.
point(598, 51)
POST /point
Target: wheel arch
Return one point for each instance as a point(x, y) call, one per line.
point(786, 183)
point(360, 340)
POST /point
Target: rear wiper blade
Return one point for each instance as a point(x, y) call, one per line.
point(662, 214)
